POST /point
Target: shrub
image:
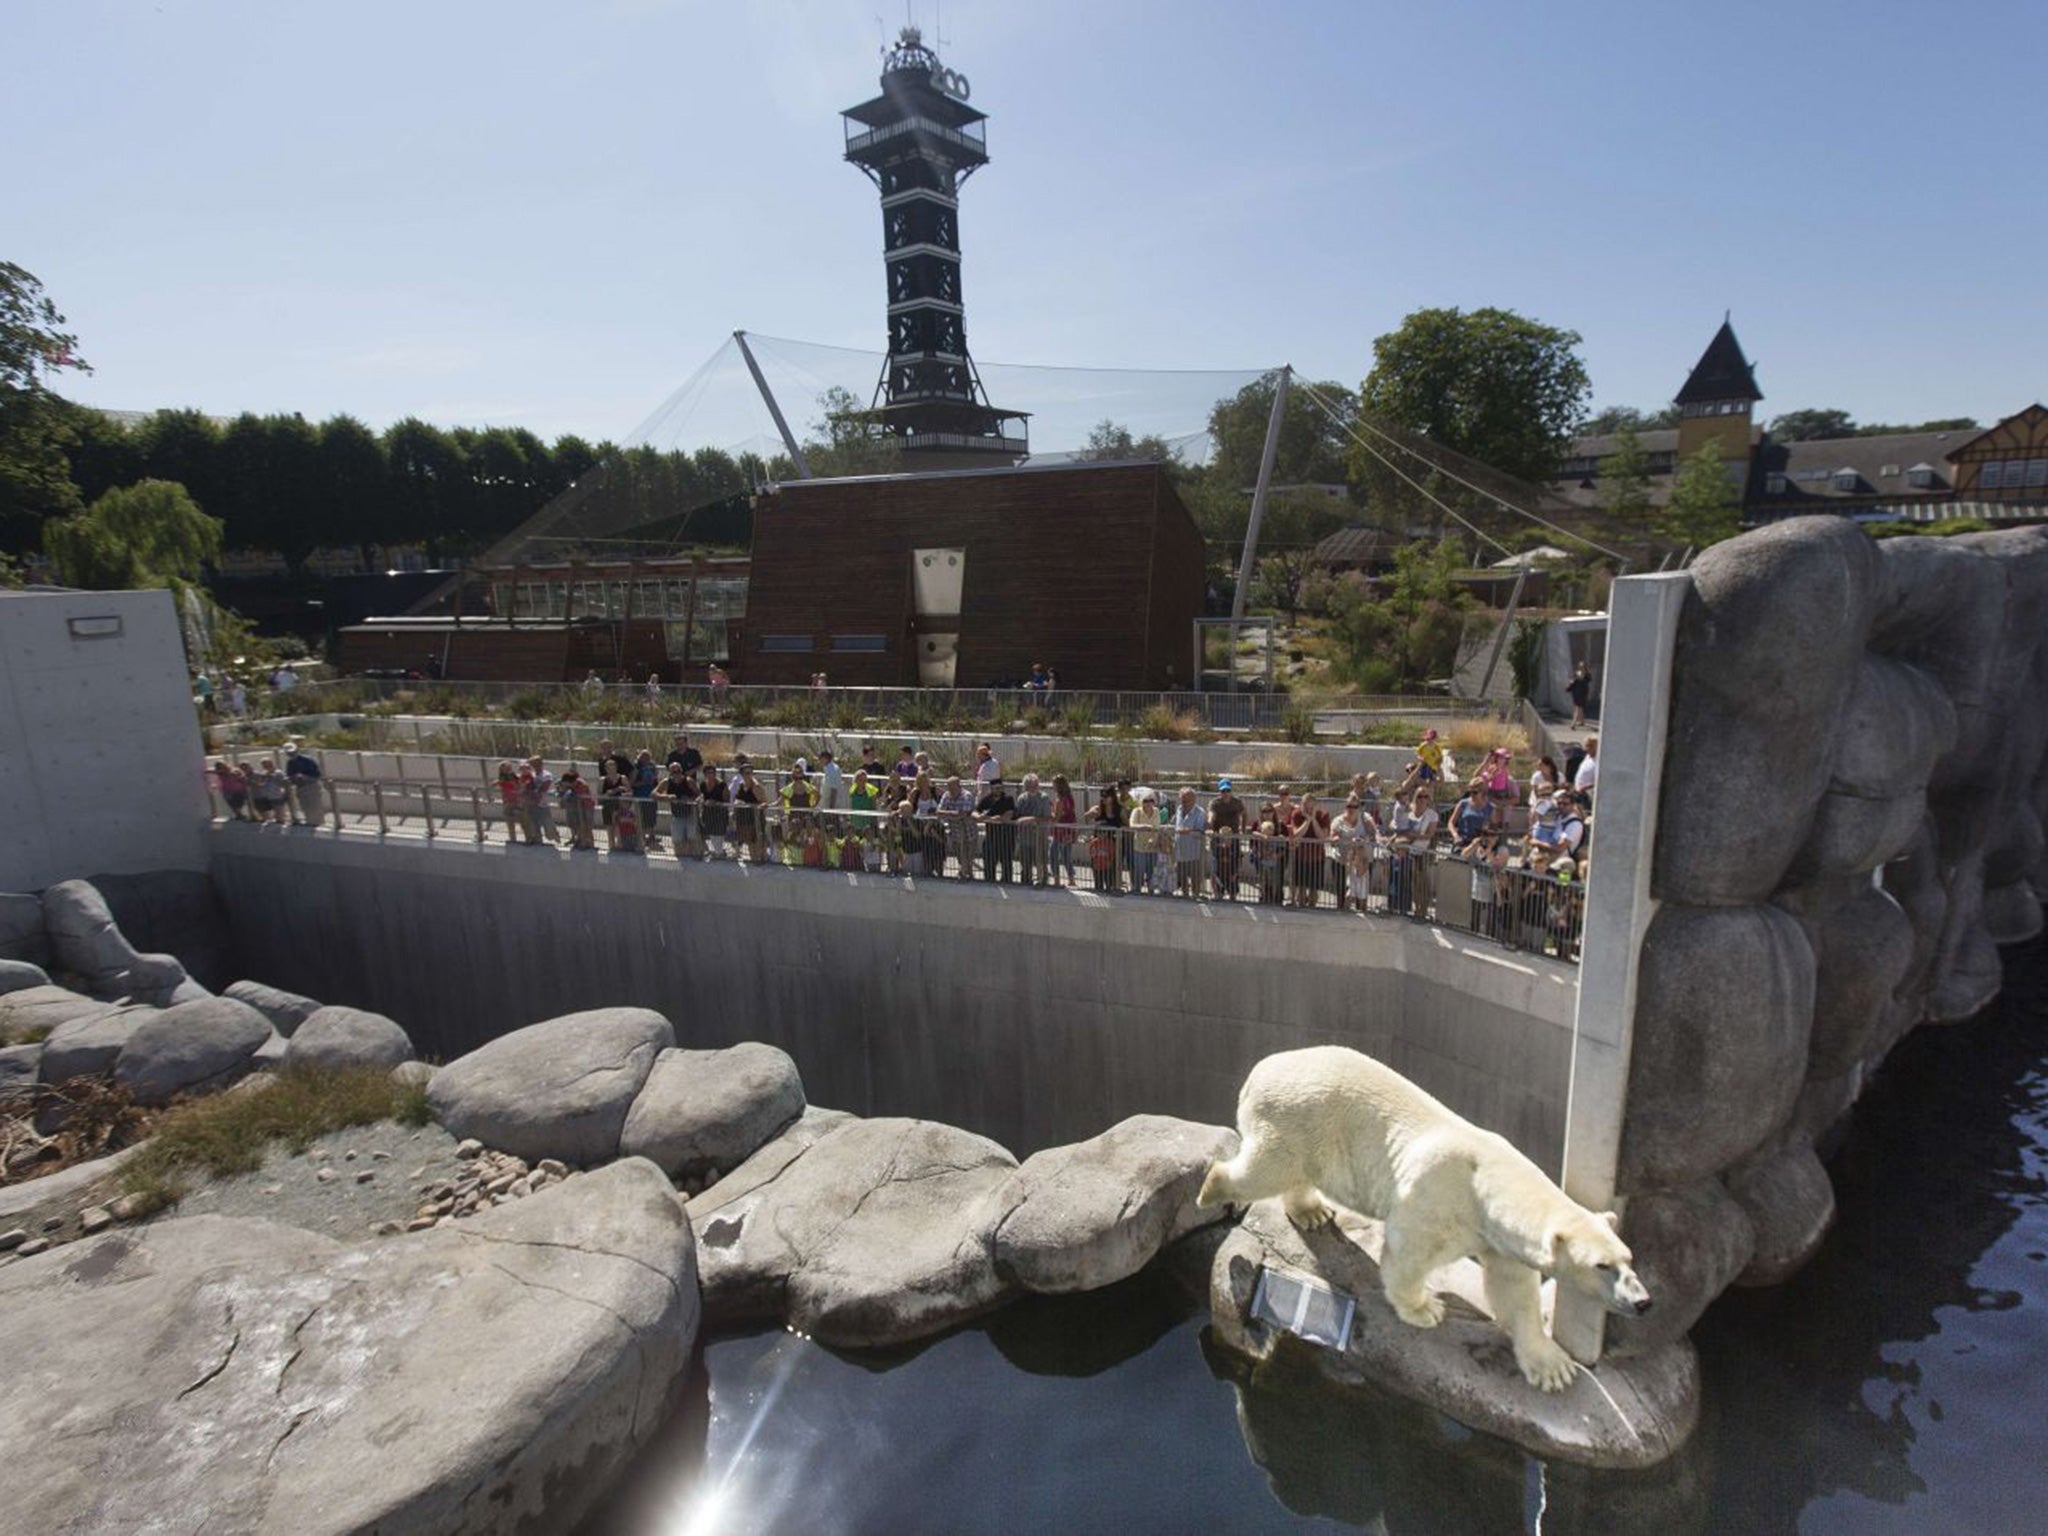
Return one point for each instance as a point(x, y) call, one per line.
point(1298, 723)
point(230, 1133)
point(1525, 655)
point(744, 711)
point(1077, 715)
point(1161, 722)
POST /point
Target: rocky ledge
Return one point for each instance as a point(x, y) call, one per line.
point(487, 1377)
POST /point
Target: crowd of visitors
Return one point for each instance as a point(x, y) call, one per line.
point(1501, 856)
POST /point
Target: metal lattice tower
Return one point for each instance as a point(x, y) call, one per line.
point(919, 141)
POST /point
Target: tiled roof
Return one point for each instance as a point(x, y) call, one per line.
point(1722, 373)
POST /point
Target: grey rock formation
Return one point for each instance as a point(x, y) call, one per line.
point(270, 1054)
point(493, 1376)
point(32, 1012)
point(85, 939)
point(1082, 1216)
point(18, 975)
point(1622, 1413)
point(336, 1037)
point(87, 1045)
point(560, 1088)
point(1689, 1245)
point(190, 1048)
point(1790, 1205)
point(21, 929)
point(285, 1010)
point(176, 912)
point(407, 1073)
point(706, 1111)
point(18, 1064)
point(868, 1236)
point(1863, 947)
point(1724, 1007)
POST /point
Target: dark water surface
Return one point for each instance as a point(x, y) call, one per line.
point(1897, 1384)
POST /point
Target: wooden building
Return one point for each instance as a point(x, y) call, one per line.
point(967, 578)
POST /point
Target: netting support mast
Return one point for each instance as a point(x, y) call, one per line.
point(796, 454)
point(1251, 532)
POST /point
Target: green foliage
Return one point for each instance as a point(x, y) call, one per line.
point(1705, 507)
point(1298, 723)
point(150, 534)
point(1526, 648)
point(1112, 440)
point(1811, 425)
point(1405, 634)
point(1490, 384)
point(1626, 418)
point(1625, 482)
point(846, 439)
point(231, 1133)
point(35, 476)
point(1946, 528)
point(1312, 450)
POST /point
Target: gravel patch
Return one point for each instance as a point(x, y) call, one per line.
point(325, 1189)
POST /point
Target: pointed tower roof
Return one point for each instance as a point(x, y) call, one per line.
point(1722, 373)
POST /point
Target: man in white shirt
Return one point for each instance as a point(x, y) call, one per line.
point(835, 782)
point(1588, 775)
point(987, 770)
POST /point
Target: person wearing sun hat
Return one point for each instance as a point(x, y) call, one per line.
point(302, 773)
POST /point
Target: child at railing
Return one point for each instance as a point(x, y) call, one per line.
point(233, 785)
point(626, 827)
point(712, 815)
point(1064, 821)
point(512, 795)
point(577, 808)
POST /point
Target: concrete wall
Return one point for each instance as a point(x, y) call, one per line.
point(100, 753)
point(1032, 1017)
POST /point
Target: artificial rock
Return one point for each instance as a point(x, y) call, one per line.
point(705, 1112)
point(337, 1038)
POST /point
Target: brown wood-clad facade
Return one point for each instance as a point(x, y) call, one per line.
point(1095, 570)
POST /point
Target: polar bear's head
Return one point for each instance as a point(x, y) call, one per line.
point(1588, 1251)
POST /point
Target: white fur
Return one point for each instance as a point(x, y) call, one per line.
point(1327, 1125)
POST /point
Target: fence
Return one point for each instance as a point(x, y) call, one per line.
point(852, 708)
point(1519, 904)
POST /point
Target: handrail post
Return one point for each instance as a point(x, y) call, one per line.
point(377, 793)
point(476, 812)
point(427, 809)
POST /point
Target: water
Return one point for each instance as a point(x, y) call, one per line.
point(1894, 1385)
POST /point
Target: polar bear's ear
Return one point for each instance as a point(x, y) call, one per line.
point(1613, 1221)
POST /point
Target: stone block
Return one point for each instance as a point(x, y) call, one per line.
point(1724, 1008)
point(561, 1088)
point(706, 1112)
point(1689, 1246)
point(1790, 1205)
point(285, 1010)
point(198, 1047)
point(337, 1038)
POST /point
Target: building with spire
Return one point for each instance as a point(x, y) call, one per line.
point(1997, 474)
point(918, 142)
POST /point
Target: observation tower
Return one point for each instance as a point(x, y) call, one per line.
point(918, 142)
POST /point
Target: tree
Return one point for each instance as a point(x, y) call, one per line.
point(1313, 449)
point(355, 487)
point(1806, 426)
point(149, 534)
point(848, 439)
point(1939, 424)
point(1408, 634)
point(1492, 385)
point(1704, 507)
point(35, 477)
point(1625, 482)
point(1112, 440)
point(1619, 418)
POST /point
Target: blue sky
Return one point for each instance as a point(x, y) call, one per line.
point(549, 214)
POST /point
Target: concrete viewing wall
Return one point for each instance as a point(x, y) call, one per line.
point(1032, 1017)
point(99, 743)
point(1850, 822)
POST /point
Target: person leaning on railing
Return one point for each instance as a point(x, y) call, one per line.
point(1064, 822)
point(1106, 818)
point(1226, 829)
point(1034, 811)
point(955, 811)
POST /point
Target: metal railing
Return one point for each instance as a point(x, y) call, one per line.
point(1518, 899)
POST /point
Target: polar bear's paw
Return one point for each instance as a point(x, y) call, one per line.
point(1545, 1365)
point(1307, 1209)
point(1424, 1311)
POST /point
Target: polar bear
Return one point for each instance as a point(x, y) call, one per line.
point(1330, 1124)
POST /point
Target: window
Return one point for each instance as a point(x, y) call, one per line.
point(785, 643)
point(860, 642)
point(2037, 472)
point(1847, 479)
point(1992, 475)
point(1775, 483)
point(1920, 477)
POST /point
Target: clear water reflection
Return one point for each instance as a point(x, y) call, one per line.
point(1895, 1385)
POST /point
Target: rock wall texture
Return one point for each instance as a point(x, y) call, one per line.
point(1850, 824)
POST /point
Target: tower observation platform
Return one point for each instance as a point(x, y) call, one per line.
point(918, 142)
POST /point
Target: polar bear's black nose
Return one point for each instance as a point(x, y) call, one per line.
point(1643, 1306)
